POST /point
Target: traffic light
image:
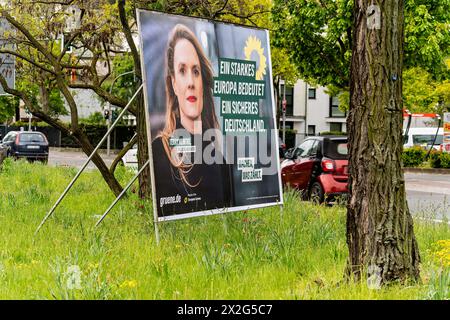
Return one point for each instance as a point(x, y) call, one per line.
point(106, 114)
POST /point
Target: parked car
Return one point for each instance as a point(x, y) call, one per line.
point(318, 167)
point(130, 158)
point(31, 145)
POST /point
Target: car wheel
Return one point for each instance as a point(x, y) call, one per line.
point(316, 194)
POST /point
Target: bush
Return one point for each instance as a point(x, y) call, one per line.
point(413, 157)
point(439, 159)
point(332, 133)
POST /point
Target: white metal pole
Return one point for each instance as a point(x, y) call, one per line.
point(86, 163)
point(122, 193)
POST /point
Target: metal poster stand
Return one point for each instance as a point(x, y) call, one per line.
point(122, 193)
point(87, 161)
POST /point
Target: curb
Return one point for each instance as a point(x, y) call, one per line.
point(427, 170)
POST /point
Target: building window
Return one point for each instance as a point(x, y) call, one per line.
point(289, 124)
point(334, 108)
point(312, 93)
point(336, 126)
point(311, 130)
point(289, 99)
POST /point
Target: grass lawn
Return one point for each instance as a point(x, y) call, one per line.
point(297, 253)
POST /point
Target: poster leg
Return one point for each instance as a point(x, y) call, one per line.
point(156, 232)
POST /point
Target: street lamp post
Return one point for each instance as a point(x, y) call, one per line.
point(108, 107)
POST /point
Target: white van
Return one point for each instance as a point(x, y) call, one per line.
point(424, 137)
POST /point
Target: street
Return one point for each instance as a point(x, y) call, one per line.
point(428, 195)
point(67, 158)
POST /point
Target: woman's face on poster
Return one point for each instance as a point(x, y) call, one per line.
point(187, 80)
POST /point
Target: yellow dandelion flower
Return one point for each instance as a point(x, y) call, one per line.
point(128, 284)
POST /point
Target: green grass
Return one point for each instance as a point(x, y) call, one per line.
point(297, 253)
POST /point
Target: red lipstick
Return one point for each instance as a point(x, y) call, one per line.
point(192, 98)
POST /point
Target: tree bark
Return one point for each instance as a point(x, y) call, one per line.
point(109, 177)
point(380, 234)
point(121, 153)
point(145, 190)
point(141, 125)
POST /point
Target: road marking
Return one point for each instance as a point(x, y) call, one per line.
point(432, 220)
point(421, 187)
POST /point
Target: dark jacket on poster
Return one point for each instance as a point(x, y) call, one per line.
point(211, 184)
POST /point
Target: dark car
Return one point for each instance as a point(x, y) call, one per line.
point(31, 145)
point(318, 167)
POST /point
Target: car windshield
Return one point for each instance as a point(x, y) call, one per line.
point(427, 139)
point(31, 137)
point(336, 149)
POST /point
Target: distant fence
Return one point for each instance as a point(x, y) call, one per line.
point(95, 133)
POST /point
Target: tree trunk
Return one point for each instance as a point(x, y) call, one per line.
point(145, 190)
point(109, 178)
point(380, 235)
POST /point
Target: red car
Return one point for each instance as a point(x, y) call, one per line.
point(318, 167)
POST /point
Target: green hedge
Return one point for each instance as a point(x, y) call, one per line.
point(439, 159)
point(95, 133)
point(413, 157)
point(332, 133)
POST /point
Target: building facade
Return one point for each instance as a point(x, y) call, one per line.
point(311, 111)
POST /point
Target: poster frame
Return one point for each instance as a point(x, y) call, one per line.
point(148, 127)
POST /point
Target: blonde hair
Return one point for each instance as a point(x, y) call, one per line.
point(208, 116)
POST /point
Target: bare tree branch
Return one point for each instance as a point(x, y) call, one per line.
point(122, 153)
point(14, 53)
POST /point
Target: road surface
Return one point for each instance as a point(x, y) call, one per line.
point(74, 158)
point(428, 195)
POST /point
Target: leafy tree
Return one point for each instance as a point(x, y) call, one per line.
point(94, 118)
point(317, 35)
point(45, 68)
point(8, 107)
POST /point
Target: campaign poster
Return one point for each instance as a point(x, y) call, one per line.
point(210, 116)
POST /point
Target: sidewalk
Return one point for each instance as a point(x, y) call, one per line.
point(427, 170)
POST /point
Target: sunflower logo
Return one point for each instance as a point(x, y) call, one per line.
point(254, 44)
